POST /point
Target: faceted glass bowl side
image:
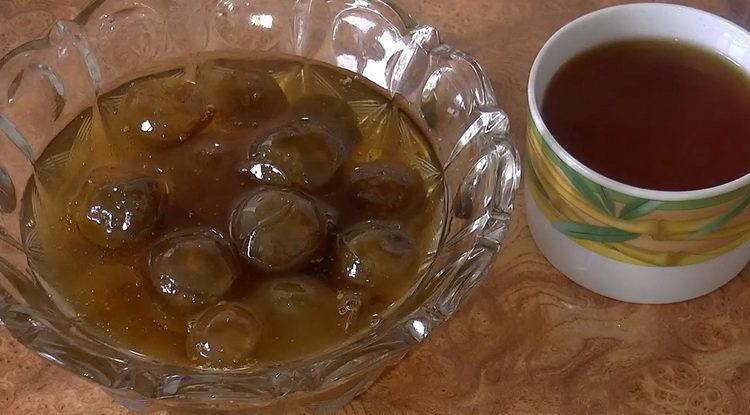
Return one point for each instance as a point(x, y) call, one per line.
point(45, 83)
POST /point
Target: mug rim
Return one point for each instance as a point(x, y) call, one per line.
point(567, 158)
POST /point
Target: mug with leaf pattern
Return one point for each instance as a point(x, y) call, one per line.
point(621, 241)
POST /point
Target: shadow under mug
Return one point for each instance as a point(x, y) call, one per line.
point(624, 242)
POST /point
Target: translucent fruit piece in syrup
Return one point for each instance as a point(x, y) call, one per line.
point(307, 151)
point(240, 96)
point(224, 336)
point(302, 154)
point(384, 188)
point(375, 256)
point(278, 229)
point(332, 112)
point(193, 268)
point(115, 208)
point(162, 112)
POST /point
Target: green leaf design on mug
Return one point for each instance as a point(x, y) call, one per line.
point(588, 232)
point(639, 208)
point(723, 219)
point(590, 191)
point(607, 199)
point(535, 180)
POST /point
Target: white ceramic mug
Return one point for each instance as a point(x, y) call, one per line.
point(624, 242)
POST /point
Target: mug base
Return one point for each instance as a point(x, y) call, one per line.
point(628, 282)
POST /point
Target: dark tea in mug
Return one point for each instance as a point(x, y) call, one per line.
point(652, 113)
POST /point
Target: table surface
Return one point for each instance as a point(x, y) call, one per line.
point(528, 341)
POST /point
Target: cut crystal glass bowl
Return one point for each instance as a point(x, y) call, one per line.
point(45, 83)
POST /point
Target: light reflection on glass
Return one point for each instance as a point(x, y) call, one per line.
point(359, 22)
point(262, 20)
point(419, 329)
point(147, 126)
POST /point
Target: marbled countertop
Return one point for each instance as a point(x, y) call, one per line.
point(529, 341)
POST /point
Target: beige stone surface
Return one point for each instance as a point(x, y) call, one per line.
point(529, 341)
